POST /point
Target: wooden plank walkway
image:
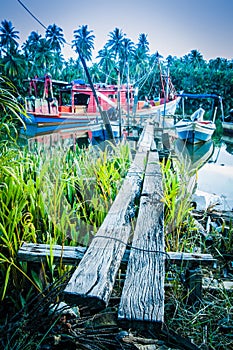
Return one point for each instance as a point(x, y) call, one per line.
point(142, 297)
point(93, 281)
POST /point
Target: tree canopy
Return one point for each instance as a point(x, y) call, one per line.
point(38, 55)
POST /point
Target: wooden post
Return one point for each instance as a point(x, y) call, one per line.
point(194, 284)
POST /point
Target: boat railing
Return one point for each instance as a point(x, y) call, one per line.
point(39, 105)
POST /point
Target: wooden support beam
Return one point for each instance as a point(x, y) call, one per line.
point(194, 284)
point(37, 252)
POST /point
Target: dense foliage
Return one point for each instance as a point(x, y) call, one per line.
point(38, 55)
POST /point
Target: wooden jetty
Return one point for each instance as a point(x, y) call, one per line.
point(140, 247)
point(94, 278)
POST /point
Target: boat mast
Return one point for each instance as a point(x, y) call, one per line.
point(128, 107)
point(119, 99)
point(103, 114)
point(165, 95)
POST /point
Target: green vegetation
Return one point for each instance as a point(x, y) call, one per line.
point(177, 179)
point(60, 199)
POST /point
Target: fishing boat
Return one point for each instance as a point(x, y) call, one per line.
point(75, 102)
point(194, 129)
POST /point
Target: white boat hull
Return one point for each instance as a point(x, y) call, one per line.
point(195, 131)
point(168, 109)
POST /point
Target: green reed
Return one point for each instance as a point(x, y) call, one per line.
point(177, 188)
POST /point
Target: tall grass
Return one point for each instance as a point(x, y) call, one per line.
point(177, 187)
point(208, 324)
point(10, 111)
point(56, 198)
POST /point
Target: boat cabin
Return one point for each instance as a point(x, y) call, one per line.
point(82, 98)
point(76, 97)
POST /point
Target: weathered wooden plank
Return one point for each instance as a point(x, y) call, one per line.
point(192, 258)
point(37, 252)
point(142, 297)
point(93, 280)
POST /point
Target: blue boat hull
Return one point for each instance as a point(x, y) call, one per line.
point(194, 132)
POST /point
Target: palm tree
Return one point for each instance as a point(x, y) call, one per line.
point(55, 37)
point(143, 43)
point(95, 73)
point(140, 63)
point(14, 65)
point(32, 43)
point(116, 42)
point(128, 49)
point(43, 57)
point(8, 36)
point(72, 69)
point(84, 42)
point(30, 47)
point(57, 65)
point(127, 52)
point(218, 63)
point(196, 58)
point(106, 62)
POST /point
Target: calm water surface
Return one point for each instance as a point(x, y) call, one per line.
point(216, 176)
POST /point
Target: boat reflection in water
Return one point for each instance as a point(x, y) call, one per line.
point(56, 136)
point(216, 176)
point(194, 156)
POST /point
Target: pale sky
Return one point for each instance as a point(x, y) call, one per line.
point(172, 27)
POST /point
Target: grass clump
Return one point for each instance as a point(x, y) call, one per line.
point(178, 222)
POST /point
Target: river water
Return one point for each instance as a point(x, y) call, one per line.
point(216, 175)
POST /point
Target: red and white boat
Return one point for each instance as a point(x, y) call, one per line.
point(75, 102)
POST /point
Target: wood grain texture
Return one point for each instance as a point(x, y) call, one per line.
point(35, 252)
point(143, 292)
